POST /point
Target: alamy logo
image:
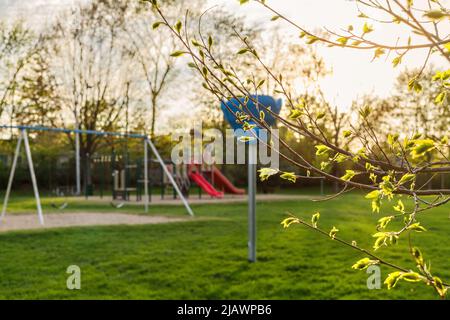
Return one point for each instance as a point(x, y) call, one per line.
point(74, 280)
point(374, 279)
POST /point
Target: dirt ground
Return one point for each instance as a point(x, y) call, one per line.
point(205, 199)
point(59, 220)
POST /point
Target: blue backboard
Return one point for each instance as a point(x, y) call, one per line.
point(231, 107)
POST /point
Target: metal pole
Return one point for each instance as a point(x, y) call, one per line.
point(77, 163)
point(145, 176)
point(93, 132)
point(86, 173)
point(33, 176)
point(252, 161)
point(11, 177)
point(169, 175)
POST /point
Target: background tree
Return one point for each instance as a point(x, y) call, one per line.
point(91, 67)
point(419, 109)
point(419, 112)
point(38, 103)
point(152, 51)
point(16, 48)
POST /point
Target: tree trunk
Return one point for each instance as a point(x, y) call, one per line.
point(152, 128)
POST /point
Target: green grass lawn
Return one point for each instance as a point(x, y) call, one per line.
point(206, 259)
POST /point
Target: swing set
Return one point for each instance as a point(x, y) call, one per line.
point(23, 138)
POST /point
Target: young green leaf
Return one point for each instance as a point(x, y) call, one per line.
point(314, 219)
point(265, 173)
point(439, 286)
point(260, 83)
point(195, 43)
point(339, 158)
point(414, 84)
point(408, 177)
point(383, 222)
point(400, 207)
point(342, 41)
point(435, 14)
point(311, 39)
point(295, 114)
point(205, 71)
point(373, 194)
point(392, 279)
point(262, 115)
point(178, 26)
point(242, 51)
point(367, 28)
point(322, 150)
point(364, 263)
point(417, 256)
point(347, 133)
point(422, 147)
point(210, 41)
point(362, 15)
point(440, 98)
point(177, 54)
point(416, 227)
point(288, 221)
point(396, 61)
point(246, 138)
point(248, 126)
point(392, 138)
point(365, 111)
point(411, 276)
point(349, 174)
point(381, 240)
point(387, 187)
point(290, 176)
point(320, 115)
point(156, 24)
point(333, 232)
point(378, 53)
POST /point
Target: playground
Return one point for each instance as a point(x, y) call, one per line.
point(145, 227)
point(224, 149)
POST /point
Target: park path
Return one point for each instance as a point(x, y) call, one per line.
point(205, 199)
point(60, 220)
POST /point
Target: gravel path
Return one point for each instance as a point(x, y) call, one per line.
point(193, 199)
point(59, 220)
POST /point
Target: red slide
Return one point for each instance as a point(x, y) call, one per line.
point(205, 185)
point(222, 182)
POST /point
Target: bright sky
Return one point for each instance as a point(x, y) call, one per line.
point(353, 73)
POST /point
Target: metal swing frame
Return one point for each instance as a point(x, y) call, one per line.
point(23, 137)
